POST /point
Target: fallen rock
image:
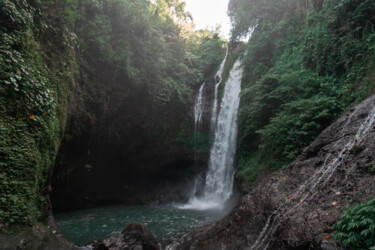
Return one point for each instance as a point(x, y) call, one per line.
point(133, 237)
point(295, 207)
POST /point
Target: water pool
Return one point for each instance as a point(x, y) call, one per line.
point(163, 221)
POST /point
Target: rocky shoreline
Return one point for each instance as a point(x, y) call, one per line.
point(296, 207)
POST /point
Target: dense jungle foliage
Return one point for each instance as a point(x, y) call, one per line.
point(305, 63)
point(89, 57)
point(34, 94)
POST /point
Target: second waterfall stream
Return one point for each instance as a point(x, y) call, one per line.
point(218, 185)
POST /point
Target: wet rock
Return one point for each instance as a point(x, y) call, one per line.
point(39, 236)
point(133, 237)
point(296, 207)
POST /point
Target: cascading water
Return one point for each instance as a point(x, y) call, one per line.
point(320, 178)
point(218, 80)
point(198, 108)
point(198, 115)
point(219, 178)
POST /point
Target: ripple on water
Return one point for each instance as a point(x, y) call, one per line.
point(164, 221)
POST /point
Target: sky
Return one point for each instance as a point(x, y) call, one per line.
point(208, 13)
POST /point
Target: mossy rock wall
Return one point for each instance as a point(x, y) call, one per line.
point(106, 85)
point(37, 82)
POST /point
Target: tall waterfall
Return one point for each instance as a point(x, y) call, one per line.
point(198, 114)
point(198, 108)
point(218, 80)
point(219, 179)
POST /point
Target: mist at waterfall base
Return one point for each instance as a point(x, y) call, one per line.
point(218, 187)
point(164, 221)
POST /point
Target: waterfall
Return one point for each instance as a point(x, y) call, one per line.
point(220, 174)
point(218, 80)
point(198, 114)
point(198, 108)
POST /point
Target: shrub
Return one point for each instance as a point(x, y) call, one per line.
point(294, 127)
point(356, 229)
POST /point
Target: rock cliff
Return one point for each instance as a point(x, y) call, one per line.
point(296, 207)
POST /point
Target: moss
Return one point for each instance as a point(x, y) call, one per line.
point(371, 169)
point(248, 167)
point(34, 101)
point(356, 149)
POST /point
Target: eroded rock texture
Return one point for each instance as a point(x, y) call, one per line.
point(296, 207)
point(133, 237)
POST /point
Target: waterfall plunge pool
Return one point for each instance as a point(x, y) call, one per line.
point(164, 221)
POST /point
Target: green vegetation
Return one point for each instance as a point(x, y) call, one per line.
point(206, 51)
point(305, 65)
point(135, 54)
point(356, 228)
point(33, 94)
point(112, 56)
point(105, 68)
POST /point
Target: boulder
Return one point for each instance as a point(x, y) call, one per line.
point(296, 207)
point(133, 237)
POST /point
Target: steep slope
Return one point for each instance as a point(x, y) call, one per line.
point(296, 207)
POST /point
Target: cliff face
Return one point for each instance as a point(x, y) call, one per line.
point(37, 76)
point(94, 96)
point(128, 167)
point(296, 207)
point(129, 137)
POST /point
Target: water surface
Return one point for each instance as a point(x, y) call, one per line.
point(163, 221)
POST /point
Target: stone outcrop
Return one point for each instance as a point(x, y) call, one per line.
point(296, 207)
point(46, 236)
point(133, 237)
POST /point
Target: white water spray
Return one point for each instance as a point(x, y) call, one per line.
point(198, 108)
point(198, 115)
point(218, 80)
point(219, 179)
